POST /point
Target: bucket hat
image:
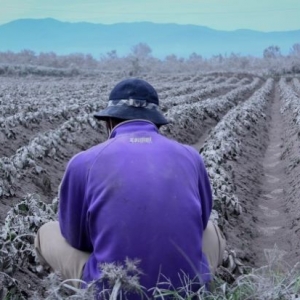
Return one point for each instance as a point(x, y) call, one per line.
point(133, 99)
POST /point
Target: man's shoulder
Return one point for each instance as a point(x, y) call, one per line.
point(191, 151)
point(87, 157)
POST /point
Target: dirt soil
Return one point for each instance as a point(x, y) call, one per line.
point(271, 216)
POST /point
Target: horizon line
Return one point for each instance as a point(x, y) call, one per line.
point(151, 22)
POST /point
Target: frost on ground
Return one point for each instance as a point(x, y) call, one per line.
point(45, 122)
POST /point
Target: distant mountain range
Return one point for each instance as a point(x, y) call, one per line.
point(45, 35)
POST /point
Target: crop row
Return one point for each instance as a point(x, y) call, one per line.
point(22, 97)
point(166, 83)
point(226, 144)
point(290, 109)
point(33, 96)
point(223, 145)
point(43, 145)
point(201, 91)
point(193, 119)
point(290, 100)
point(187, 86)
point(296, 84)
point(51, 114)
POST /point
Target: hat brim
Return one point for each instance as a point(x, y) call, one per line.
point(131, 113)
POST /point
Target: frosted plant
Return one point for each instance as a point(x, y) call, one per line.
point(290, 100)
point(17, 237)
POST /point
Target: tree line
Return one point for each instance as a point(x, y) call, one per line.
point(140, 60)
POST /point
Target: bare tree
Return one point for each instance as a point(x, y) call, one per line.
point(295, 50)
point(141, 51)
point(272, 52)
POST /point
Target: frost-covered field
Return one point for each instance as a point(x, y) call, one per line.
point(233, 119)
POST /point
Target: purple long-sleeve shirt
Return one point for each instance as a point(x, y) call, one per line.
point(138, 195)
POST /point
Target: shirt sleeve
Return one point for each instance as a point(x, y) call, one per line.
point(205, 193)
point(73, 207)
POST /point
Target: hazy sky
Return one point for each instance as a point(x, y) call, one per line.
point(265, 15)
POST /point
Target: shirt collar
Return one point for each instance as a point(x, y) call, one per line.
point(131, 126)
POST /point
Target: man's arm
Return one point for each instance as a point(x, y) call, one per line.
point(72, 205)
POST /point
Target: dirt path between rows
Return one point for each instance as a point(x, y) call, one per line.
point(271, 213)
point(202, 139)
point(268, 220)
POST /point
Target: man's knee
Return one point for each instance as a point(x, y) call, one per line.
point(45, 235)
point(213, 245)
point(53, 250)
